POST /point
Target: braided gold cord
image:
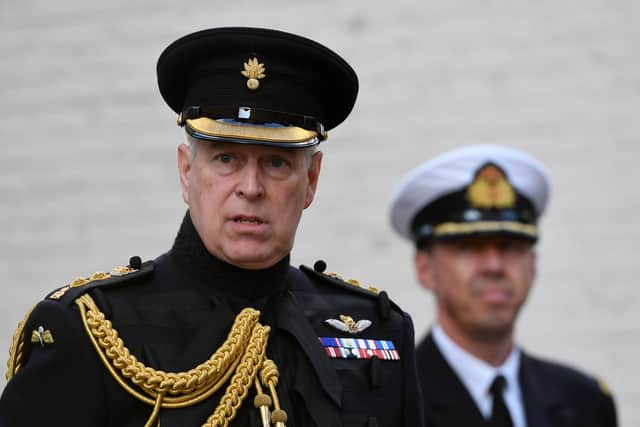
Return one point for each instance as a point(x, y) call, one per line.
point(243, 352)
point(192, 386)
point(269, 376)
point(16, 349)
point(242, 380)
point(156, 411)
point(262, 402)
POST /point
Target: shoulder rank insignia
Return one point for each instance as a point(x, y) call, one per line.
point(97, 276)
point(42, 336)
point(337, 279)
point(118, 275)
point(347, 324)
point(357, 348)
point(604, 388)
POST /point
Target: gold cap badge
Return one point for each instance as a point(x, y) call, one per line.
point(254, 71)
point(491, 189)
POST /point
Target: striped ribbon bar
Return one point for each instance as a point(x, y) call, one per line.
point(359, 348)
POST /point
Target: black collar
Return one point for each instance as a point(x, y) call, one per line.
point(243, 285)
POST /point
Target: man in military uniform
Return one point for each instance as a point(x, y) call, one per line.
point(472, 214)
point(221, 330)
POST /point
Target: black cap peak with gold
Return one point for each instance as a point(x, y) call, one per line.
point(474, 190)
point(256, 86)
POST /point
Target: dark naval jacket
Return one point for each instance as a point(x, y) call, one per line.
point(174, 312)
point(553, 395)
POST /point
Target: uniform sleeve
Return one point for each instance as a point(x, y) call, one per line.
point(612, 420)
point(60, 382)
point(413, 402)
point(607, 408)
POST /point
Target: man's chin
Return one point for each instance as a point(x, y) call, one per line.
point(490, 323)
point(494, 330)
point(254, 259)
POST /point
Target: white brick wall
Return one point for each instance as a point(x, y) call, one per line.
point(87, 170)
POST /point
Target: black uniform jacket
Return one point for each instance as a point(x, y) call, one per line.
point(553, 395)
point(176, 311)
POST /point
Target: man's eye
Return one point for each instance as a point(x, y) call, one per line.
point(224, 158)
point(277, 162)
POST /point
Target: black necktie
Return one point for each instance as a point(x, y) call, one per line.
point(500, 413)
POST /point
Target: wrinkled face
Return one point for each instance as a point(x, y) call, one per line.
point(480, 283)
point(246, 201)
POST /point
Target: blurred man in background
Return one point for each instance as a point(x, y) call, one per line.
point(472, 214)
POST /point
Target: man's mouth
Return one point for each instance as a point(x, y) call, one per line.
point(494, 294)
point(242, 219)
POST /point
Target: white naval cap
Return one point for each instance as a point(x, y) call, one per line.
point(476, 189)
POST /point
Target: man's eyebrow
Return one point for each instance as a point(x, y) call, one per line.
point(219, 145)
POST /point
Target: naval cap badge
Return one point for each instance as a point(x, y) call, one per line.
point(491, 188)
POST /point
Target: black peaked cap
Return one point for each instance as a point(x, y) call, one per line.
point(302, 76)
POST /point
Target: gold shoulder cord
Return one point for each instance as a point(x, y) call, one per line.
point(242, 354)
point(17, 344)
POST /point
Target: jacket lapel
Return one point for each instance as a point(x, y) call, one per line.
point(213, 330)
point(291, 319)
point(543, 404)
point(447, 401)
point(315, 368)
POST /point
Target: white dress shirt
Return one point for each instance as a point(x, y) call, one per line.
point(478, 375)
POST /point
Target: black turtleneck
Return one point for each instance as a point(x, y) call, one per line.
point(189, 306)
point(238, 286)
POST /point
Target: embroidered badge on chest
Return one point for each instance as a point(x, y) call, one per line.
point(42, 336)
point(347, 324)
point(359, 348)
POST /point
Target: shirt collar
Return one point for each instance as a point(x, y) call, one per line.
point(474, 373)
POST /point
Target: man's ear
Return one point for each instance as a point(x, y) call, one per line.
point(312, 174)
point(184, 168)
point(533, 268)
point(424, 268)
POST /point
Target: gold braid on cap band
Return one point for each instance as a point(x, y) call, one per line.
point(449, 228)
point(241, 355)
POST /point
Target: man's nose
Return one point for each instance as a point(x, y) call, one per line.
point(250, 185)
point(492, 259)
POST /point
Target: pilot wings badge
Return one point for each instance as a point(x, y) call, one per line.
point(347, 324)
